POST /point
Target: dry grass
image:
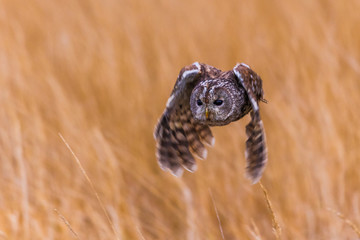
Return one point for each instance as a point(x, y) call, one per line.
point(274, 220)
point(100, 72)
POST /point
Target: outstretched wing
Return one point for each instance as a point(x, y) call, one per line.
point(256, 150)
point(176, 130)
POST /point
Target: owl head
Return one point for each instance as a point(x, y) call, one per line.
point(217, 102)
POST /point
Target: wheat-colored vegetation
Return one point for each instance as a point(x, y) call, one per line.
point(100, 72)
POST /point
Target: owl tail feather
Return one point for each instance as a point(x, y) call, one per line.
point(256, 151)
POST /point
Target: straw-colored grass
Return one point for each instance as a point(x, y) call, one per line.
point(100, 72)
point(274, 220)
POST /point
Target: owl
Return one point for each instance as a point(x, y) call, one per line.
point(203, 97)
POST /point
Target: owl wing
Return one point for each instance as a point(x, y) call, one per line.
point(177, 131)
point(256, 150)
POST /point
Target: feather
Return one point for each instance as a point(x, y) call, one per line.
point(176, 130)
point(256, 151)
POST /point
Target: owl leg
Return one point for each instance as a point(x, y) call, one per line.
point(205, 133)
point(192, 135)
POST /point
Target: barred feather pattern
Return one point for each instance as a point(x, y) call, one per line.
point(251, 82)
point(176, 134)
point(256, 150)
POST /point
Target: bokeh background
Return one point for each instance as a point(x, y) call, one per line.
point(100, 72)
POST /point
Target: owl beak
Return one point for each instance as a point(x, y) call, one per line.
point(206, 113)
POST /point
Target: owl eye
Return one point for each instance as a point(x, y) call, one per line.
point(199, 102)
point(218, 102)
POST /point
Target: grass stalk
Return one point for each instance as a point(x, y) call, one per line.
point(91, 185)
point(275, 222)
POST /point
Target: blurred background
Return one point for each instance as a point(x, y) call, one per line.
point(100, 72)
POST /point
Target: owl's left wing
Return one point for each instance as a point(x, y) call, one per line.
point(256, 150)
point(177, 131)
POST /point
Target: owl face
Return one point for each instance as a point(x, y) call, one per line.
point(212, 102)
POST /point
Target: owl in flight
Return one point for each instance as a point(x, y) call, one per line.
point(205, 96)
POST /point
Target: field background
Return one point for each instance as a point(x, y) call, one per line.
point(100, 72)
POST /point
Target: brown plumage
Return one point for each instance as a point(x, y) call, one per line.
point(205, 96)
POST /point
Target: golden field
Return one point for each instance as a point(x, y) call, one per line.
point(100, 72)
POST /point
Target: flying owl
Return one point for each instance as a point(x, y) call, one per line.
point(205, 96)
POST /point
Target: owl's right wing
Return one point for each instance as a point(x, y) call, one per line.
point(256, 150)
point(176, 130)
